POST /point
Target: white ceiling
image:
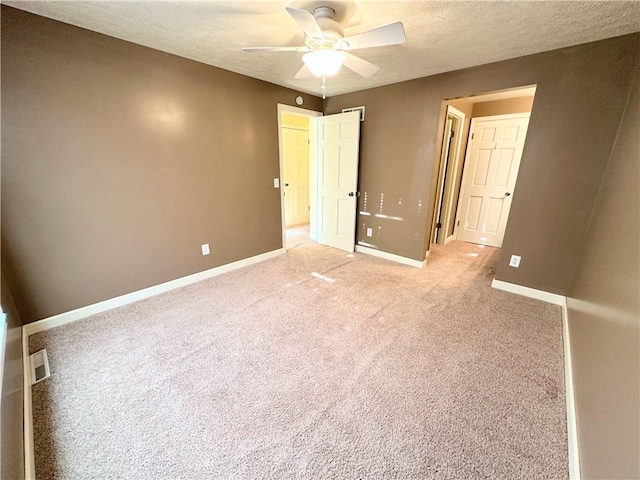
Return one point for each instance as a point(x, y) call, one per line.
point(441, 35)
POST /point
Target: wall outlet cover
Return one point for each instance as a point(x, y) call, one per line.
point(369, 232)
point(205, 249)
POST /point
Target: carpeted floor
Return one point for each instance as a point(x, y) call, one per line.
point(297, 235)
point(315, 364)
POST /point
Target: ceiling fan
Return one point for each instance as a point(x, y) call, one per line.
point(326, 48)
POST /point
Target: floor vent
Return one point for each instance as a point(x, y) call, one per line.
point(39, 366)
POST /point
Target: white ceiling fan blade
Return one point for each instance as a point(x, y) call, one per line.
point(304, 72)
point(360, 66)
point(306, 21)
point(275, 49)
point(392, 34)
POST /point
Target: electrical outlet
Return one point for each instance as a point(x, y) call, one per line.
point(515, 261)
point(369, 232)
point(205, 249)
point(276, 183)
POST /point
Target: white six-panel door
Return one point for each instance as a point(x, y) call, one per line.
point(491, 168)
point(337, 179)
point(295, 162)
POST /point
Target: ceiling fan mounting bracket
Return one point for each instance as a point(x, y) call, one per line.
point(331, 29)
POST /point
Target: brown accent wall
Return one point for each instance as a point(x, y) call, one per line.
point(11, 425)
point(119, 161)
point(579, 101)
point(604, 315)
point(503, 107)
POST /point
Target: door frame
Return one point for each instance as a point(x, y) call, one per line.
point(450, 167)
point(465, 168)
point(312, 162)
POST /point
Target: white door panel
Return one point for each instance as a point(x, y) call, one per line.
point(490, 172)
point(295, 144)
point(337, 166)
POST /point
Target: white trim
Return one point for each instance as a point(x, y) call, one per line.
point(3, 345)
point(391, 256)
point(572, 428)
point(84, 312)
point(312, 158)
point(452, 166)
point(529, 292)
point(504, 116)
point(29, 457)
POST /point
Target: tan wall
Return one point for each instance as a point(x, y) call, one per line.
point(581, 93)
point(119, 161)
point(604, 316)
point(503, 107)
point(11, 433)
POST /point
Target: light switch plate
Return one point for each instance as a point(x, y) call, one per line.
point(205, 249)
point(276, 183)
point(515, 261)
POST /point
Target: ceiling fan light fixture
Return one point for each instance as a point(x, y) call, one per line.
point(324, 62)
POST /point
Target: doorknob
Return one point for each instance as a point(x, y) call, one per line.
point(507, 194)
point(351, 194)
point(286, 184)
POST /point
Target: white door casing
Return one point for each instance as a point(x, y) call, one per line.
point(337, 179)
point(295, 146)
point(444, 163)
point(488, 182)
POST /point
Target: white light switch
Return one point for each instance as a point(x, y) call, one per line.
point(276, 183)
point(205, 249)
point(515, 261)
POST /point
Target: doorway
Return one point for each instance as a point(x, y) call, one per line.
point(444, 213)
point(296, 137)
point(331, 194)
point(467, 203)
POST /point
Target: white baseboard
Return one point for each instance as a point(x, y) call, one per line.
point(529, 292)
point(84, 312)
point(29, 457)
point(572, 429)
point(391, 256)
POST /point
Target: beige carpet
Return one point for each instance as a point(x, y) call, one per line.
point(316, 364)
point(297, 235)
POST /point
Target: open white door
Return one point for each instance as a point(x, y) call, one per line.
point(490, 172)
point(337, 179)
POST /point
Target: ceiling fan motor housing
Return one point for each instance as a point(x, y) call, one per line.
point(331, 29)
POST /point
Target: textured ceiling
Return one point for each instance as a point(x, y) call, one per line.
point(441, 35)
